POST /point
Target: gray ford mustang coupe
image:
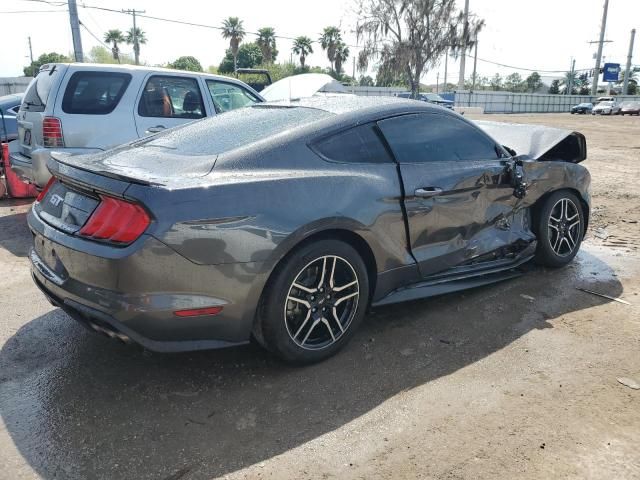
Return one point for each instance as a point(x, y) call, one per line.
point(284, 222)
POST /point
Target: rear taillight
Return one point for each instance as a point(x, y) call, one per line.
point(116, 221)
point(52, 132)
point(45, 189)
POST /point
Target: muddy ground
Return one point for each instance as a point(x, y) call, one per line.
point(514, 380)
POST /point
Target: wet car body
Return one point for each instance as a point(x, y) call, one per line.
point(224, 218)
point(630, 108)
point(582, 108)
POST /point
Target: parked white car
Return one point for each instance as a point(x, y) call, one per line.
point(83, 108)
point(606, 108)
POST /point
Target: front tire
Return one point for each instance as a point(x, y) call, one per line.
point(314, 301)
point(560, 229)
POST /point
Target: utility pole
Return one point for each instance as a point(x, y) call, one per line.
point(475, 63)
point(446, 62)
point(627, 72)
point(465, 32)
point(136, 45)
point(438, 83)
point(570, 87)
point(603, 27)
point(75, 31)
point(31, 57)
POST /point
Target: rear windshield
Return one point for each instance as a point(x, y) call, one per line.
point(94, 93)
point(37, 94)
point(235, 129)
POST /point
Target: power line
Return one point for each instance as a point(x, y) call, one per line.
point(528, 69)
point(34, 11)
point(190, 24)
point(91, 33)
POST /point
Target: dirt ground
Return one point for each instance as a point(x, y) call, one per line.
point(514, 380)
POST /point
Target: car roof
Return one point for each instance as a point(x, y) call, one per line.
point(142, 68)
point(13, 98)
point(343, 104)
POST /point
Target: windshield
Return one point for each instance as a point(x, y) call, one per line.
point(606, 104)
point(434, 97)
point(234, 129)
point(37, 94)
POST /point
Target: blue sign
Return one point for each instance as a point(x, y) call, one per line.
point(610, 72)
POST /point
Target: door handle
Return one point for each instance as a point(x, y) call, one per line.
point(427, 192)
point(156, 129)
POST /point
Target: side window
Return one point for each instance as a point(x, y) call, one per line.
point(94, 93)
point(435, 138)
point(228, 96)
point(357, 145)
point(14, 110)
point(171, 97)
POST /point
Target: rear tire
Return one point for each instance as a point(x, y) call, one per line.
point(560, 229)
point(314, 302)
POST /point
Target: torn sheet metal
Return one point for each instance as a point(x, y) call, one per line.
point(536, 141)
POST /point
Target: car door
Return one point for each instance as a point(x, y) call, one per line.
point(166, 101)
point(457, 190)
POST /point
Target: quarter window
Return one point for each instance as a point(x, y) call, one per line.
point(227, 96)
point(171, 97)
point(424, 138)
point(93, 93)
point(357, 145)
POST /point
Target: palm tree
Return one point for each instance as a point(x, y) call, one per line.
point(341, 55)
point(114, 36)
point(329, 39)
point(233, 30)
point(136, 38)
point(267, 43)
point(302, 46)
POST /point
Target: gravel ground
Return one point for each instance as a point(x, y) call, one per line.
point(514, 380)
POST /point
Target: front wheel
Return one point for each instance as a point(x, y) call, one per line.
point(560, 229)
point(314, 302)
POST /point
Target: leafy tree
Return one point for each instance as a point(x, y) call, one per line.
point(632, 88)
point(136, 38)
point(233, 30)
point(302, 46)
point(249, 55)
point(534, 82)
point(99, 54)
point(115, 37)
point(340, 56)
point(32, 69)
point(329, 41)
point(366, 81)
point(555, 87)
point(267, 43)
point(585, 90)
point(513, 83)
point(496, 82)
point(570, 78)
point(186, 63)
point(408, 37)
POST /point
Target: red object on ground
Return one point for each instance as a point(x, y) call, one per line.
point(16, 187)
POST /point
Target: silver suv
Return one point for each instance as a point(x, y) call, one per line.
point(84, 108)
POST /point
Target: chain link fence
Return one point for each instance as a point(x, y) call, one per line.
point(502, 102)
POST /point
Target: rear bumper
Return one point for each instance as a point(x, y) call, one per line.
point(133, 292)
point(34, 169)
point(101, 322)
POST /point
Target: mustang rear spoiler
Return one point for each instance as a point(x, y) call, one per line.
point(538, 142)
